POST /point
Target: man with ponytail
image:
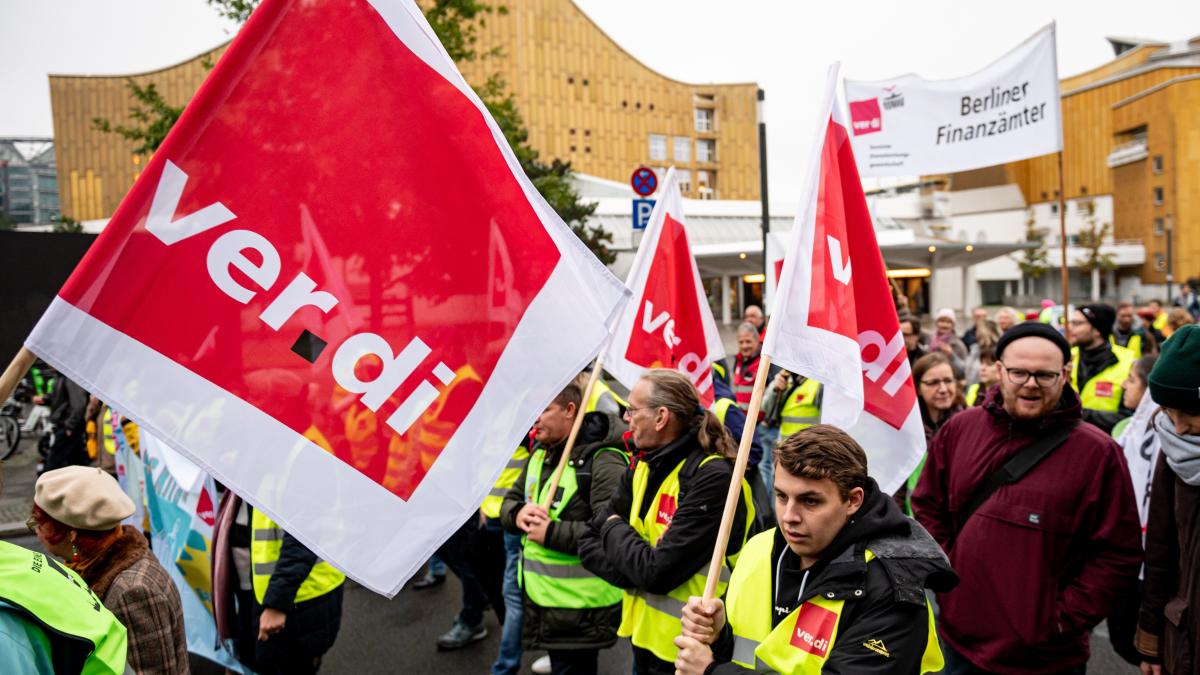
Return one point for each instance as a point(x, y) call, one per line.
point(656, 536)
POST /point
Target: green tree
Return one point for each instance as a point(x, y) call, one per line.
point(6, 223)
point(67, 224)
point(150, 115)
point(1035, 261)
point(1091, 239)
point(457, 24)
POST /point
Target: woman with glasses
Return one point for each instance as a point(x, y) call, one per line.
point(77, 514)
point(939, 396)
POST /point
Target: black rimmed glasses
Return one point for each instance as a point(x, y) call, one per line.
point(1020, 376)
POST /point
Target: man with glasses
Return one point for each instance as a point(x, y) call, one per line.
point(1097, 368)
point(1042, 557)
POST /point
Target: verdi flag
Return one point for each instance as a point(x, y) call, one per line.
point(334, 289)
point(669, 323)
point(1010, 110)
point(834, 319)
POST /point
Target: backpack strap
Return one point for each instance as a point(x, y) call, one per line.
point(1014, 469)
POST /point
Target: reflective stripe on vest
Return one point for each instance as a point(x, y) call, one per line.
point(1103, 392)
point(266, 540)
point(651, 620)
point(508, 478)
point(800, 411)
point(801, 642)
point(552, 578)
point(743, 379)
point(60, 601)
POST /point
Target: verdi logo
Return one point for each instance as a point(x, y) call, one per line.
point(865, 117)
point(814, 629)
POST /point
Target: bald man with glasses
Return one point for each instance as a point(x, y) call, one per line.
point(1035, 510)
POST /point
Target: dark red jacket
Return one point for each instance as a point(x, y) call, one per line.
point(1041, 560)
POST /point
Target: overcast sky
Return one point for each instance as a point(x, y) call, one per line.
point(783, 46)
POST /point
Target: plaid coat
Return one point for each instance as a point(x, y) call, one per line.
point(134, 586)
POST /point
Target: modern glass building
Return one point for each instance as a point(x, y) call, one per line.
point(28, 181)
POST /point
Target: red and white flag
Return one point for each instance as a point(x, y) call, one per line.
point(334, 288)
point(668, 324)
point(834, 319)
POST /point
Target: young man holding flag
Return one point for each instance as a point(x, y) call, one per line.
point(839, 586)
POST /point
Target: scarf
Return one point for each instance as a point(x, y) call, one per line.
point(1183, 452)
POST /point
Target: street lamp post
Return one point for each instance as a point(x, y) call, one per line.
point(1170, 265)
point(762, 184)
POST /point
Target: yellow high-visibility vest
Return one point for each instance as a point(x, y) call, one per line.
point(803, 641)
point(508, 478)
point(650, 620)
point(800, 411)
point(1103, 392)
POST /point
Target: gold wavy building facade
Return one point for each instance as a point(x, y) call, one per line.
point(584, 99)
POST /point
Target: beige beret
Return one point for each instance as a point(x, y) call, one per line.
point(83, 498)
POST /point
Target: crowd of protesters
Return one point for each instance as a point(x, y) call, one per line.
point(1060, 488)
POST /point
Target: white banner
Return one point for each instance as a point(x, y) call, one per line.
point(908, 126)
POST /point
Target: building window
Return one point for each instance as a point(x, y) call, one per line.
point(1054, 208)
point(1158, 196)
point(658, 147)
point(1160, 262)
point(1158, 227)
point(685, 180)
point(1157, 163)
point(706, 150)
point(706, 119)
point(683, 149)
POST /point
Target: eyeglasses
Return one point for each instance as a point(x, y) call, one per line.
point(944, 382)
point(1020, 376)
point(630, 410)
point(32, 524)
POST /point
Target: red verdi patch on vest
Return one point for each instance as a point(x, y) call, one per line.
point(1104, 389)
point(666, 510)
point(814, 629)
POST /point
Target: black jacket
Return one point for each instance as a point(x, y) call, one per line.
point(885, 599)
point(614, 551)
point(68, 406)
point(313, 623)
point(557, 627)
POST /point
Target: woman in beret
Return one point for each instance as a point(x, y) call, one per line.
point(77, 514)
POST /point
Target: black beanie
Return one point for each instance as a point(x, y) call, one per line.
point(1102, 318)
point(1034, 329)
point(1175, 380)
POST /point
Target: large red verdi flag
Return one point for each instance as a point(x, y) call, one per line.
point(669, 323)
point(334, 288)
point(834, 319)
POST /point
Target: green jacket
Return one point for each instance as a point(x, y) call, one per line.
point(556, 627)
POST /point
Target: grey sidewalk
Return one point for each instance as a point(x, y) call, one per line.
point(17, 477)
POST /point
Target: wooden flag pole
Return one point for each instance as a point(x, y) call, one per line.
point(20, 365)
point(1062, 228)
point(735, 483)
point(566, 453)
